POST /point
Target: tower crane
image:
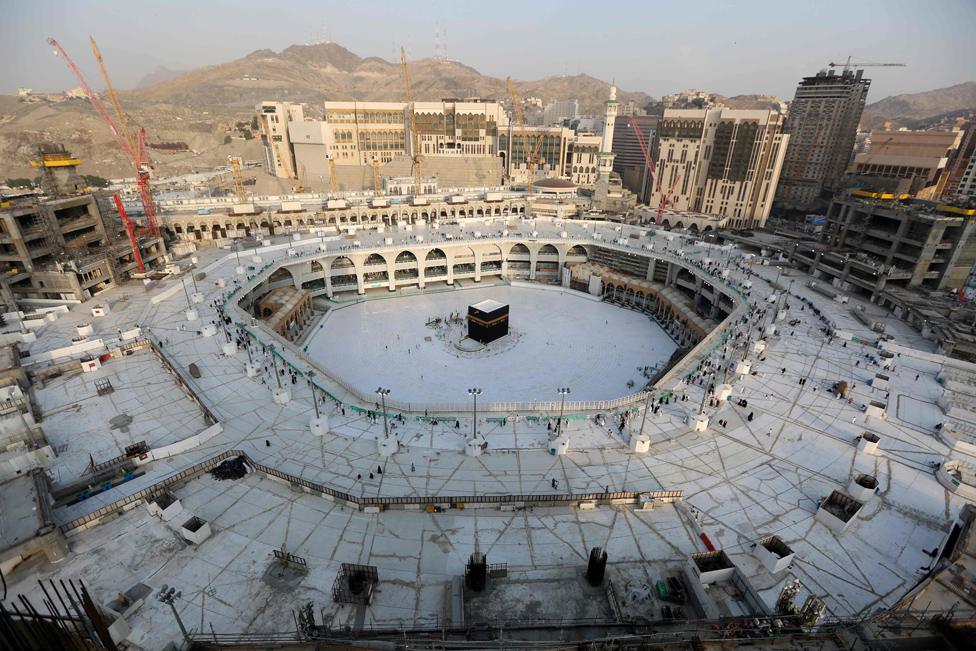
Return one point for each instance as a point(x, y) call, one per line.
point(333, 185)
point(531, 152)
point(134, 147)
point(235, 168)
point(866, 64)
point(112, 95)
point(377, 186)
point(415, 163)
point(652, 168)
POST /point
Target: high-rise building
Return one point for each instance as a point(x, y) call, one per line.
point(721, 161)
point(822, 126)
point(559, 110)
point(628, 159)
point(960, 182)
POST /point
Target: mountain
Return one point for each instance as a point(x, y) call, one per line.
point(205, 107)
point(314, 73)
point(912, 109)
point(159, 73)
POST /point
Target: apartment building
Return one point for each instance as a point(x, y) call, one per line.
point(822, 126)
point(274, 119)
point(960, 178)
point(629, 160)
point(720, 161)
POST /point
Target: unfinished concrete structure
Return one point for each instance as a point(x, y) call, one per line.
point(63, 248)
point(917, 244)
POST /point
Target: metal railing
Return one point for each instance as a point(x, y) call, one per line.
point(457, 501)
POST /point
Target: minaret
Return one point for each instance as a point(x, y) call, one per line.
point(606, 145)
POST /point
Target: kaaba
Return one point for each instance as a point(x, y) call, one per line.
point(487, 321)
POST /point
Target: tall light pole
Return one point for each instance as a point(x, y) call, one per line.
point(186, 293)
point(563, 392)
point(168, 595)
point(274, 365)
point(382, 393)
point(474, 393)
point(311, 383)
point(647, 406)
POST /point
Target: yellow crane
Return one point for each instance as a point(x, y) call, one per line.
point(235, 167)
point(377, 186)
point(299, 184)
point(113, 96)
point(531, 151)
point(333, 186)
point(415, 164)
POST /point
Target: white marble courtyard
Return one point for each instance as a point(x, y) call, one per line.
point(747, 479)
point(562, 339)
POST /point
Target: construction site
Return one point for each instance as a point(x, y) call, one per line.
point(758, 447)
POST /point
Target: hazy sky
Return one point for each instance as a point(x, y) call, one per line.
point(748, 46)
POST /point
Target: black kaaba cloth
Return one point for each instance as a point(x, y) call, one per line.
point(487, 321)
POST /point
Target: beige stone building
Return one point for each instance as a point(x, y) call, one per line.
point(905, 161)
point(721, 161)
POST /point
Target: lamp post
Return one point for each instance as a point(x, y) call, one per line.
point(382, 393)
point(186, 293)
point(311, 383)
point(563, 392)
point(647, 406)
point(474, 393)
point(168, 595)
point(274, 364)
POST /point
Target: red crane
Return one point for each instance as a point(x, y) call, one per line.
point(139, 157)
point(130, 230)
point(652, 168)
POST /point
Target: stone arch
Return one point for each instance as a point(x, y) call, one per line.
point(679, 225)
point(317, 266)
point(576, 250)
point(375, 258)
point(405, 257)
point(519, 249)
point(281, 273)
point(435, 255)
point(548, 249)
point(342, 262)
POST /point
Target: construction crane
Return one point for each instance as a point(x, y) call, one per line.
point(377, 186)
point(333, 185)
point(652, 168)
point(866, 64)
point(531, 152)
point(236, 165)
point(415, 162)
point(112, 95)
point(131, 231)
point(134, 147)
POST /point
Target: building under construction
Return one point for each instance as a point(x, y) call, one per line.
point(64, 244)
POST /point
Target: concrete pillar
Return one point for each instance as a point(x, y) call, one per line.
point(650, 269)
point(533, 258)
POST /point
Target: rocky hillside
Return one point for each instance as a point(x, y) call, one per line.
point(912, 109)
point(314, 73)
point(200, 107)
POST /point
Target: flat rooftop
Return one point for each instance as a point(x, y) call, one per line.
point(20, 514)
point(489, 305)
